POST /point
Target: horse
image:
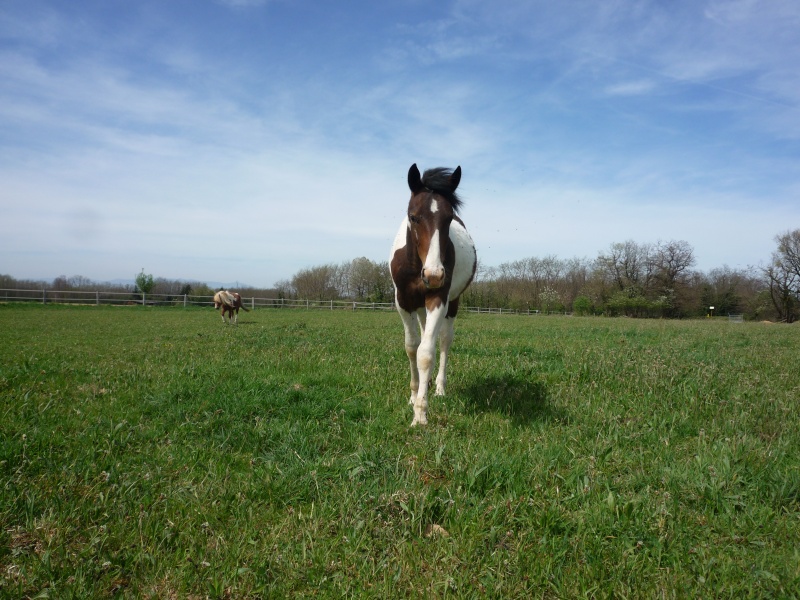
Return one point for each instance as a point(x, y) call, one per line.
point(432, 261)
point(229, 302)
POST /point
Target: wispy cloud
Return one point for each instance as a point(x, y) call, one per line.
point(631, 88)
point(576, 126)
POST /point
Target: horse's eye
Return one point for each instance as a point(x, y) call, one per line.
point(413, 219)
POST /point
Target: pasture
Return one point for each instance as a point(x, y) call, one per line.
point(155, 452)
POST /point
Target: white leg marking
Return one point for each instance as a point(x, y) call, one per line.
point(426, 357)
point(412, 338)
point(445, 341)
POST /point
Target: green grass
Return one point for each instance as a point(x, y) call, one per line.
point(157, 453)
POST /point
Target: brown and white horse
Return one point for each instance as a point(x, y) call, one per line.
point(229, 302)
point(433, 261)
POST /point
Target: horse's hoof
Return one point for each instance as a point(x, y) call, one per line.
point(419, 421)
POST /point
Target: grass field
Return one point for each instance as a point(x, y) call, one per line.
point(154, 452)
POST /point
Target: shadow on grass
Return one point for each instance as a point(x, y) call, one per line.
point(517, 396)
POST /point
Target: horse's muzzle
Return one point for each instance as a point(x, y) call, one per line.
point(433, 278)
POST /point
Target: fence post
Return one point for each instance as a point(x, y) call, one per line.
point(44, 296)
point(253, 303)
point(143, 299)
point(184, 300)
point(97, 298)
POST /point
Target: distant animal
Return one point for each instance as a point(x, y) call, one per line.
point(432, 262)
point(229, 302)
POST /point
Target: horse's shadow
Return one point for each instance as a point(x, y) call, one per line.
point(518, 396)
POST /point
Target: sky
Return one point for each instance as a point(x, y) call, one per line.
point(245, 140)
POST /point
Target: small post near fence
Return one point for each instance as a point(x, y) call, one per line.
point(97, 298)
point(184, 300)
point(44, 296)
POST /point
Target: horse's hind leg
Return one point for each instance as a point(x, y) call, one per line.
point(445, 341)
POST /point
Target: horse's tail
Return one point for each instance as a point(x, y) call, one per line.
point(238, 298)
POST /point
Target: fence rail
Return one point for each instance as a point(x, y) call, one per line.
point(45, 296)
point(51, 296)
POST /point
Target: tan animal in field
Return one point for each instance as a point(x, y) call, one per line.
point(229, 302)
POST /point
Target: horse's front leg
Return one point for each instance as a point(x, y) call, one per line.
point(426, 358)
point(445, 341)
point(412, 338)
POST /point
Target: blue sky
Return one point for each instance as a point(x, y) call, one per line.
point(243, 140)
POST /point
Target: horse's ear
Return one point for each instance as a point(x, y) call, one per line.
point(414, 179)
point(455, 179)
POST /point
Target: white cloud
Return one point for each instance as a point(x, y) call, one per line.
point(576, 127)
point(631, 88)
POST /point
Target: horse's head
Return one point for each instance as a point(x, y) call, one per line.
point(432, 207)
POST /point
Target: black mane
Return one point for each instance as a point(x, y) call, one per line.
point(438, 181)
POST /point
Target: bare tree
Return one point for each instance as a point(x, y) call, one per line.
point(672, 259)
point(783, 275)
point(78, 282)
point(789, 253)
point(366, 280)
point(317, 283)
point(627, 265)
point(285, 289)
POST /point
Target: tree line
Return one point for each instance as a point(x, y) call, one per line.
point(629, 278)
point(646, 280)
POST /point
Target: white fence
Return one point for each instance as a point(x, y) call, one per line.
point(50, 296)
point(45, 296)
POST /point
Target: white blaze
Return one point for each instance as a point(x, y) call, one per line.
point(433, 262)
